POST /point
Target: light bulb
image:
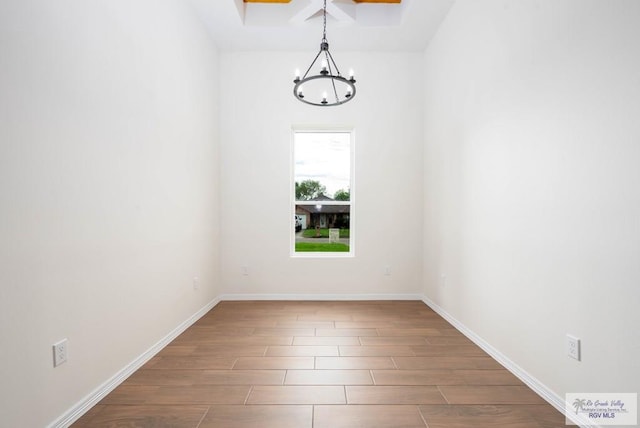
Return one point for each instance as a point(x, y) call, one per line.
point(324, 65)
point(351, 74)
point(324, 98)
point(297, 73)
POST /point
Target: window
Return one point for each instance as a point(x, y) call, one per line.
point(322, 193)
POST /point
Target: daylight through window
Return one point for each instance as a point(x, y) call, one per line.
point(323, 199)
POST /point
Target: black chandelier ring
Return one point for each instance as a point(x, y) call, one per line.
point(350, 92)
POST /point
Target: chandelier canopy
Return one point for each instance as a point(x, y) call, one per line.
point(328, 87)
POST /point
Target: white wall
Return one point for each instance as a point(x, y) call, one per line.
point(108, 191)
point(259, 112)
point(532, 203)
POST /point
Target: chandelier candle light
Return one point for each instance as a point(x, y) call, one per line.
point(334, 88)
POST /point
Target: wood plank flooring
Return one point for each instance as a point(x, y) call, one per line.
point(322, 364)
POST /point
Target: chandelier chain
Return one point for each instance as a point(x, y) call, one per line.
point(324, 28)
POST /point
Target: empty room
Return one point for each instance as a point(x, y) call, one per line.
point(319, 213)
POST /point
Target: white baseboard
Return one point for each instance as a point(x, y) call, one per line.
point(538, 387)
point(320, 297)
point(74, 413)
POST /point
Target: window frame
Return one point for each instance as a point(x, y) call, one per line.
point(351, 202)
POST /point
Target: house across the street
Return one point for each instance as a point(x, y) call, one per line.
point(325, 215)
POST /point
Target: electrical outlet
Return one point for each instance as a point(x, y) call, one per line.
point(196, 283)
point(60, 352)
point(573, 347)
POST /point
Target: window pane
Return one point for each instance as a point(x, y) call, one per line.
point(322, 175)
point(322, 165)
point(323, 228)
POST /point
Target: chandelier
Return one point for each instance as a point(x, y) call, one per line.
point(329, 87)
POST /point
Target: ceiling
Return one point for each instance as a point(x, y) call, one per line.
point(352, 25)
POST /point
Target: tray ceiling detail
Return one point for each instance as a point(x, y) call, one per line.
point(279, 13)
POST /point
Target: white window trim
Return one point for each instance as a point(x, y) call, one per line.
point(351, 202)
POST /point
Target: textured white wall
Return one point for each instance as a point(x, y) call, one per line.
point(532, 203)
point(259, 112)
point(108, 191)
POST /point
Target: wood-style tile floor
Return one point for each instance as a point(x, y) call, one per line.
point(322, 365)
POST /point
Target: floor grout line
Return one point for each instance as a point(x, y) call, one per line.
point(394, 363)
point(442, 393)
point(248, 394)
point(422, 416)
point(203, 416)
